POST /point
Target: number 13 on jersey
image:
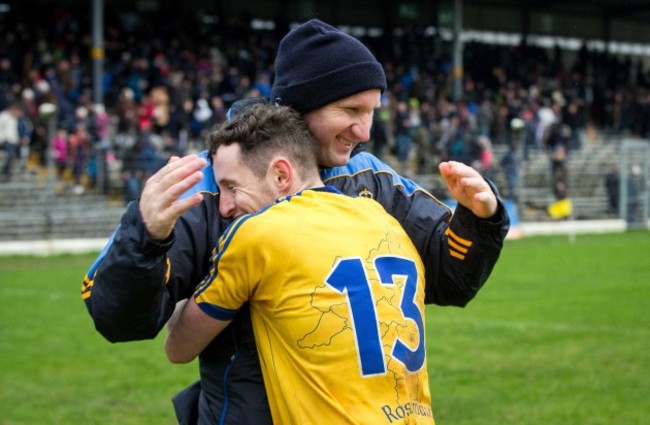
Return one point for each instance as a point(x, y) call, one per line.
point(349, 277)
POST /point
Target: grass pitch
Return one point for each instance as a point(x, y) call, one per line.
point(559, 335)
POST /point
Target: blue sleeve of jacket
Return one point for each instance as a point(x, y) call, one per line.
point(133, 286)
point(458, 249)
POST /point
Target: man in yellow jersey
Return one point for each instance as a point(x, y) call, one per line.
point(336, 287)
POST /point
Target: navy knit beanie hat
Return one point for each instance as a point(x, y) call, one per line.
point(317, 64)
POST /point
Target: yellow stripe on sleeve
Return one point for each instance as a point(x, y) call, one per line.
point(458, 239)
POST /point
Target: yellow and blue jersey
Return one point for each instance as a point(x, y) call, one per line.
point(337, 309)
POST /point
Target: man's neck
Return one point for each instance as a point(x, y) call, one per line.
point(310, 183)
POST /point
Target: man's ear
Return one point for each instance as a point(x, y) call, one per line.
point(283, 174)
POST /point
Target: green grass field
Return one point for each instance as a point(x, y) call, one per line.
point(560, 335)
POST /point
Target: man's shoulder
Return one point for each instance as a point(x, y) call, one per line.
point(268, 219)
point(288, 212)
point(364, 168)
point(361, 161)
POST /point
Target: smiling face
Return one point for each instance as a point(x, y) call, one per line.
point(241, 190)
point(340, 126)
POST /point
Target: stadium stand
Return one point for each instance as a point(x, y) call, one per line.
point(165, 84)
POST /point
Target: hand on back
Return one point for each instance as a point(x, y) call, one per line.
point(160, 205)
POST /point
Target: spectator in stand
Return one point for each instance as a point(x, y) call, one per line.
point(101, 152)
point(485, 118)
point(486, 160)
point(546, 116)
point(80, 148)
point(132, 174)
point(150, 148)
point(26, 128)
point(61, 148)
point(557, 147)
point(218, 109)
point(10, 137)
point(379, 130)
point(201, 115)
point(126, 111)
point(8, 80)
point(402, 127)
point(427, 156)
point(161, 108)
point(459, 139)
point(530, 132)
point(25, 133)
point(509, 166)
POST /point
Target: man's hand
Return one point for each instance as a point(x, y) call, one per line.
point(159, 203)
point(469, 188)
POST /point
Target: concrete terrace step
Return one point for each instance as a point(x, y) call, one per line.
point(33, 194)
point(30, 211)
point(58, 224)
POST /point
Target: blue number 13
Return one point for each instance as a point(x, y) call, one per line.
point(349, 276)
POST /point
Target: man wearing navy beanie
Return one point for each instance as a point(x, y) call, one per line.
point(317, 64)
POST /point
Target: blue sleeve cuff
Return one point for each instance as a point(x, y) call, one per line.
point(216, 312)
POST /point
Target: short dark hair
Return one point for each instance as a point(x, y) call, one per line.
point(263, 131)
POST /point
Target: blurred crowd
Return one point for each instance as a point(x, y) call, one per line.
point(165, 84)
